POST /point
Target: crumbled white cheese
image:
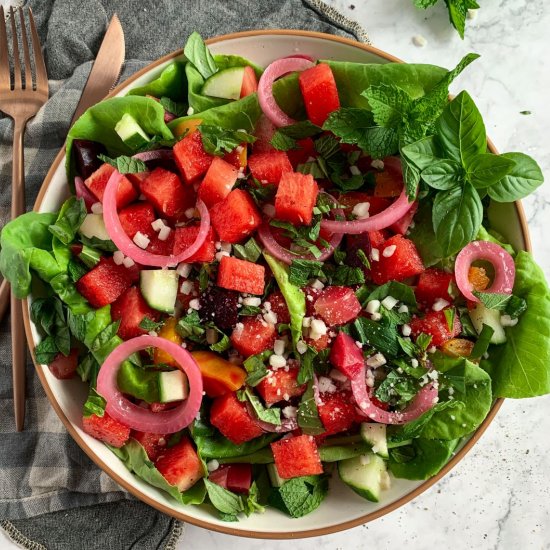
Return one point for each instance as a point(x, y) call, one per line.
point(389, 250)
point(277, 361)
point(376, 316)
point(377, 164)
point(226, 247)
point(306, 322)
point(335, 374)
point(403, 308)
point(440, 304)
point(213, 464)
point(118, 257)
point(375, 255)
point(507, 321)
point(189, 213)
point(221, 254)
point(158, 224)
point(270, 317)
point(279, 347)
point(354, 170)
point(301, 347)
point(318, 329)
point(128, 262)
point(187, 287)
point(364, 459)
point(184, 269)
point(361, 210)
point(317, 285)
point(97, 208)
point(406, 330)
point(252, 301)
point(472, 13)
point(164, 233)
point(419, 40)
point(376, 360)
point(190, 111)
point(389, 302)
point(414, 362)
point(373, 306)
point(289, 412)
point(195, 304)
point(141, 240)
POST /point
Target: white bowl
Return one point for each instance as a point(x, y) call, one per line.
point(342, 508)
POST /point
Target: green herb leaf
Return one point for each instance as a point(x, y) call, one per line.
point(272, 415)
point(307, 370)
point(443, 174)
point(218, 141)
point(125, 164)
point(178, 109)
point(250, 251)
point(422, 153)
point(400, 291)
point(285, 138)
point(223, 344)
point(255, 367)
point(493, 300)
point(149, 325)
point(482, 344)
point(190, 327)
point(70, 218)
point(300, 271)
point(197, 52)
point(299, 496)
point(487, 169)
point(308, 415)
point(95, 404)
point(382, 337)
point(450, 314)
point(389, 103)
point(398, 388)
point(248, 311)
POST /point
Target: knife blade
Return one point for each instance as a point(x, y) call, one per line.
point(106, 68)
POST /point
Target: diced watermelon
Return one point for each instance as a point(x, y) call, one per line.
point(233, 477)
point(131, 309)
point(240, 275)
point(280, 385)
point(137, 178)
point(278, 306)
point(296, 196)
point(402, 225)
point(346, 356)
point(137, 217)
point(263, 131)
point(377, 238)
point(63, 367)
point(337, 305)
point(311, 296)
point(254, 336)
point(164, 190)
point(250, 82)
point(404, 261)
point(304, 150)
point(218, 182)
point(96, 183)
point(269, 167)
point(237, 157)
point(106, 429)
point(433, 284)
point(336, 411)
point(296, 457)
point(104, 283)
point(186, 236)
point(319, 92)
point(162, 248)
point(154, 444)
point(180, 465)
point(231, 418)
point(191, 158)
point(236, 217)
point(434, 323)
point(319, 344)
point(389, 182)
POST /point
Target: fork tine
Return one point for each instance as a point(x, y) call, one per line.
point(4, 61)
point(40, 67)
point(28, 69)
point(17, 82)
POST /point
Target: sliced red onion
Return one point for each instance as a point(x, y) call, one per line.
point(82, 192)
point(505, 269)
point(129, 248)
point(300, 56)
point(286, 425)
point(137, 417)
point(265, 87)
point(392, 214)
point(156, 154)
point(424, 400)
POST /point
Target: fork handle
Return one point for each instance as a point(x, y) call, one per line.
point(18, 344)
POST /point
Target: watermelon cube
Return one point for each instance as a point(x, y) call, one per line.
point(164, 190)
point(389, 182)
point(296, 196)
point(296, 457)
point(337, 305)
point(336, 411)
point(398, 259)
point(280, 385)
point(305, 148)
point(96, 183)
point(263, 131)
point(278, 306)
point(319, 91)
point(218, 182)
point(154, 444)
point(104, 283)
point(434, 323)
point(252, 336)
point(231, 418)
point(162, 247)
point(233, 477)
point(402, 225)
point(131, 309)
point(236, 217)
point(186, 236)
point(237, 157)
point(351, 199)
point(269, 167)
point(346, 356)
point(137, 217)
point(106, 429)
point(63, 367)
point(433, 284)
point(191, 158)
point(240, 275)
point(250, 82)
point(180, 465)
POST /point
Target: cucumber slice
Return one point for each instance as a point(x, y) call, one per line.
point(481, 315)
point(226, 84)
point(365, 477)
point(159, 287)
point(130, 132)
point(375, 435)
point(173, 386)
point(274, 477)
point(94, 226)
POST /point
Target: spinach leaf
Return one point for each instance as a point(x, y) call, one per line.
point(70, 217)
point(197, 53)
point(299, 496)
point(217, 446)
point(335, 453)
point(125, 164)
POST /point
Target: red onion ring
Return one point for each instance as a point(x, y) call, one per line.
point(129, 248)
point(136, 417)
point(424, 400)
point(505, 269)
point(300, 56)
point(82, 192)
point(287, 424)
point(393, 213)
point(156, 154)
point(265, 87)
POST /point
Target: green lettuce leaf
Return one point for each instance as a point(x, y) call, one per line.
point(170, 83)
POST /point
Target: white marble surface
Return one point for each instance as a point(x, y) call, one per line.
point(498, 497)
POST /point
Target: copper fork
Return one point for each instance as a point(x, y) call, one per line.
point(23, 90)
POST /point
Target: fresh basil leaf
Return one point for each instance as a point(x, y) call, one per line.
point(482, 343)
point(461, 130)
point(250, 251)
point(76, 270)
point(89, 256)
point(487, 169)
point(422, 153)
point(423, 341)
point(88, 369)
point(443, 174)
point(306, 372)
point(46, 350)
point(197, 52)
point(383, 338)
point(400, 291)
point(171, 106)
point(522, 180)
point(450, 314)
point(125, 164)
point(457, 216)
point(98, 244)
point(255, 367)
point(95, 404)
point(191, 327)
point(271, 415)
point(308, 415)
point(70, 218)
point(389, 104)
point(218, 141)
point(223, 344)
point(299, 496)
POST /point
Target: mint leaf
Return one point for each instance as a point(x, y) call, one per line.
point(124, 164)
point(255, 367)
point(148, 324)
point(218, 141)
point(197, 52)
point(281, 142)
point(487, 169)
point(285, 138)
point(400, 291)
point(223, 500)
point(493, 300)
point(299, 496)
point(424, 3)
point(458, 10)
point(389, 103)
point(443, 174)
point(223, 344)
point(382, 337)
point(301, 271)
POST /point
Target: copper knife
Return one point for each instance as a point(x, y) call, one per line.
point(103, 77)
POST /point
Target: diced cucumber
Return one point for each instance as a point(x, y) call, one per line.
point(130, 132)
point(226, 84)
point(274, 477)
point(173, 386)
point(94, 226)
point(481, 315)
point(160, 288)
point(375, 435)
point(364, 474)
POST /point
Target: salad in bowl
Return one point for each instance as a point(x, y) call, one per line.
point(273, 277)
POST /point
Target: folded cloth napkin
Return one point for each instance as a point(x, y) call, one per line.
point(51, 495)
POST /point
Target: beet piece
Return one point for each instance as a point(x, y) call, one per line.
point(219, 306)
point(85, 155)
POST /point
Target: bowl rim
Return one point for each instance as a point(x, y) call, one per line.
point(135, 491)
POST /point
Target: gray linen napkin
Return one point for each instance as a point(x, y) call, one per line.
point(51, 495)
